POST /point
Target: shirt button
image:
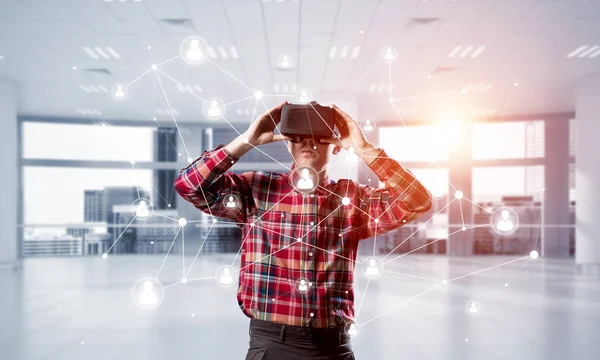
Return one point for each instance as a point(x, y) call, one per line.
point(312, 222)
point(310, 254)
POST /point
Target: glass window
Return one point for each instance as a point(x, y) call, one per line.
point(415, 143)
point(492, 183)
point(58, 195)
point(499, 140)
point(87, 142)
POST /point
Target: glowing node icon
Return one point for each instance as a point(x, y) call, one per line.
point(258, 95)
point(372, 267)
point(504, 221)
point(193, 50)
point(213, 108)
point(473, 307)
point(367, 125)
point(119, 91)
point(304, 96)
point(154, 67)
point(231, 202)
point(103, 125)
point(147, 293)
point(437, 192)
point(304, 179)
point(182, 222)
point(302, 285)
point(184, 280)
point(141, 209)
point(388, 53)
point(352, 155)
point(225, 275)
point(105, 256)
point(352, 329)
point(345, 200)
point(285, 61)
point(458, 195)
point(534, 254)
point(190, 160)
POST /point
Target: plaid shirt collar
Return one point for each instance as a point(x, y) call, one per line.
point(292, 177)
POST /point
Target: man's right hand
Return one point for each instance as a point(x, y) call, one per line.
point(262, 130)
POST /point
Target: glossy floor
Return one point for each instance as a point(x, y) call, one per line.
point(530, 309)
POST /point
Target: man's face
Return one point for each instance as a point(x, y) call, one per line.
point(309, 152)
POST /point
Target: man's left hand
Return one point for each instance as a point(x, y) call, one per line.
point(350, 133)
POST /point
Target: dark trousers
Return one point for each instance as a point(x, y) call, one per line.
point(272, 341)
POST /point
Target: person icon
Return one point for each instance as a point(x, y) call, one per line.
point(230, 203)
point(352, 155)
point(504, 224)
point(285, 62)
point(302, 286)
point(389, 55)
point(214, 110)
point(148, 296)
point(372, 270)
point(142, 210)
point(120, 93)
point(303, 96)
point(194, 53)
point(352, 330)
point(473, 308)
point(305, 182)
point(226, 278)
point(368, 126)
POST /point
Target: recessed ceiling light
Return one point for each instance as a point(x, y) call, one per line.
point(464, 51)
point(585, 51)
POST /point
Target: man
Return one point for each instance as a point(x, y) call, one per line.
point(299, 247)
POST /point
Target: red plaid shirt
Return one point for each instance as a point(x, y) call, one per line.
point(274, 216)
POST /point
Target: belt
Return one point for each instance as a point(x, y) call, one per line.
point(272, 329)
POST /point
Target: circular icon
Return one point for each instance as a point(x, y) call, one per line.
point(304, 179)
point(353, 154)
point(304, 96)
point(141, 208)
point(302, 285)
point(504, 221)
point(372, 267)
point(147, 293)
point(437, 192)
point(119, 91)
point(367, 125)
point(193, 50)
point(231, 202)
point(213, 108)
point(473, 307)
point(352, 329)
point(388, 53)
point(284, 61)
point(225, 275)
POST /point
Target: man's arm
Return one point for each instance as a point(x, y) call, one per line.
point(206, 183)
point(402, 200)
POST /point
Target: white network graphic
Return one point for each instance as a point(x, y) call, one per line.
point(148, 292)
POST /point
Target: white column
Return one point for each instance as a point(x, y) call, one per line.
point(9, 175)
point(587, 192)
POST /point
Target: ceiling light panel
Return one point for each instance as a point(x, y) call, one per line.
point(98, 52)
point(466, 51)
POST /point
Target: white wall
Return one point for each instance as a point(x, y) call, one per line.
point(9, 174)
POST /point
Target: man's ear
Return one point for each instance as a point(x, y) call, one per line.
point(336, 150)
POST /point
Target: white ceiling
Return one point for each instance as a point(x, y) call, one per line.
point(526, 41)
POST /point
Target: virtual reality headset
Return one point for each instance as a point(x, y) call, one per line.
point(307, 120)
